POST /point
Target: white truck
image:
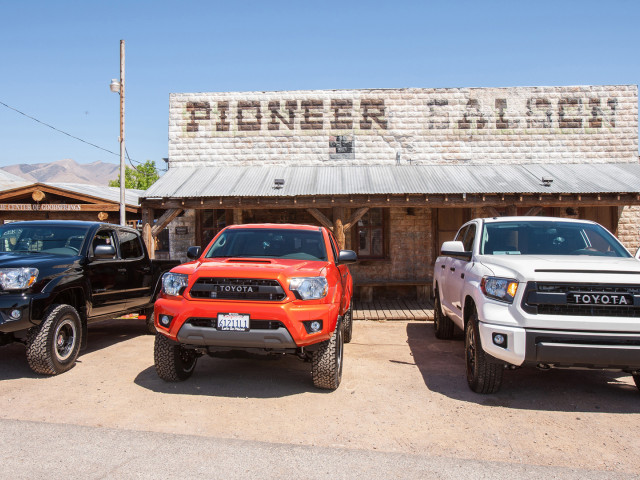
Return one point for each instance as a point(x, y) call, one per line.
point(538, 291)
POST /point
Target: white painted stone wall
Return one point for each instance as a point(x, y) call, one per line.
point(576, 124)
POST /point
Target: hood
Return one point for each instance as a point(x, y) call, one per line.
point(267, 268)
point(563, 268)
point(35, 260)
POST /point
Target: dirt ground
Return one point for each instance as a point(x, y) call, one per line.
point(402, 391)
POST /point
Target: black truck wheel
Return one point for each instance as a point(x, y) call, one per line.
point(348, 324)
point(484, 373)
point(326, 366)
point(174, 363)
point(151, 328)
point(53, 346)
point(442, 324)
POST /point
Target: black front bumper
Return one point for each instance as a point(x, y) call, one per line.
point(11, 303)
point(583, 349)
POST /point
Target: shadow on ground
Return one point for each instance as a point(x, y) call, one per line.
point(13, 359)
point(441, 363)
point(238, 375)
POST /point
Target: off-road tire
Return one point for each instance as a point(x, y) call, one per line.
point(326, 366)
point(173, 362)
point(442, 324)
point(54, 345)
point(348, 325)
point(636, 378)
point(151, 328)
point(484, 372)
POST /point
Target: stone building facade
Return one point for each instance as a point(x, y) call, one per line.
point(397, 236)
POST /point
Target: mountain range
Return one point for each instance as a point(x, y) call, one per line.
point(66, 171)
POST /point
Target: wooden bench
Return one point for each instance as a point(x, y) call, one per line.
point(365, 288)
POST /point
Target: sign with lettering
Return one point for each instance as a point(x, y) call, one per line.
point(35, 207)
point(419, 126)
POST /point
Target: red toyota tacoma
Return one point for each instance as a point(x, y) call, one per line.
point(265, 288)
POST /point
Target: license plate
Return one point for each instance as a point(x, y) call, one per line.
point(236, 322)
point(610, 299)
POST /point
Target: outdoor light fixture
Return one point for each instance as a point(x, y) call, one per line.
point(278, 183)
point(547, 181)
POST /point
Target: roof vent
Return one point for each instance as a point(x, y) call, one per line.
point(278, 183)
point(547, 181)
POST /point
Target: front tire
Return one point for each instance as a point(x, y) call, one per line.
point(348, 324)
point(326, 367)
point(484, 373)
point(151, 328)
point(173, 362)
point(442, 324)
point(54, 345)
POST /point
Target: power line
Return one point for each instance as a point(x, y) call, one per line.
point(68, 134)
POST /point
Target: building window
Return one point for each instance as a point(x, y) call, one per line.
point(370, 234)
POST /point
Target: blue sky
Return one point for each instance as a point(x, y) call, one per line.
point(58, 57)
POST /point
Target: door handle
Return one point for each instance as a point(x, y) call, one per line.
point(453, 269)
point(462, 275)
point(122, 270)
point(441, 266)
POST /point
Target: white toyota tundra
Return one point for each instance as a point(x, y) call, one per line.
point(539, 291)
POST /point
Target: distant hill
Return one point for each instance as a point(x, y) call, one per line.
point(66, 171)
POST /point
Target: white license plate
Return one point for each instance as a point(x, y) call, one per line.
point(237, 322)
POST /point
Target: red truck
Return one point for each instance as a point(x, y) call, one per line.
point(262, 288)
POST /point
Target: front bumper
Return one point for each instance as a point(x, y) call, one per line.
point(290, 334)
point(14, 302)
point(559, 348)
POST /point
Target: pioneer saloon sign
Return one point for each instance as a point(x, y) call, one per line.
point(520, 124)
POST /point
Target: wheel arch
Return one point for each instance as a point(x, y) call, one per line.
point(468, 309)
point(73, 296)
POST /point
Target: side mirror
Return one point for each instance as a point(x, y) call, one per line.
point(193, 252)
point(346, 257)
point(638, 254)
point(104, 252)
point(454, 249)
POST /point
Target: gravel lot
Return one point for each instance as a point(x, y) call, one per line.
point(403, 391)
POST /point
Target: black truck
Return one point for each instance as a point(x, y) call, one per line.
point(56, 277)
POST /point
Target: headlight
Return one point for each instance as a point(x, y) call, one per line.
point(174, 283)
point(309, 288)
point(17, 278)
point(503, 289)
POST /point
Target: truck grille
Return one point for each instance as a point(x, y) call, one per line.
point(253, 324)
point(238, 289)
point(603, 300)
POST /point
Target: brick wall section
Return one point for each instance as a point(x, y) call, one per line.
point(581, 124)
point(629, 228)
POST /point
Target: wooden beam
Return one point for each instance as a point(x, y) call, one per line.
point(338, 227)
point(492, 211)
point(165, 220)
point(237, 216)
point(533, 211)
point(320, 217)
point(357, 215)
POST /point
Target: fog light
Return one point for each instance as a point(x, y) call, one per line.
point(500, 340)
point(16, 314)
point(165, 320)
point(313, 326)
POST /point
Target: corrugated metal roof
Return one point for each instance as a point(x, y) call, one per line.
point(112, 194)
point(258, 181)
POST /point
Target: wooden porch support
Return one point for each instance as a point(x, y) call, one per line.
point(237, 216)
point(491, 211)
point(533, 211)
point(337, 225)
point(147, 238)
point(165, 220)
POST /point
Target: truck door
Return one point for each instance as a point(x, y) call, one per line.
point(107, 279)
point(344, 275)
point(137, 267)
point(458, 268)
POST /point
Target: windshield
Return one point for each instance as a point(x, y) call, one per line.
point(269, 243)
point(57, 240)
point(549, 238)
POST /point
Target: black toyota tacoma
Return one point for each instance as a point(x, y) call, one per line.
point(56, 277)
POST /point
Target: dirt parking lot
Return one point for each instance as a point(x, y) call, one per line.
point(402, 391)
